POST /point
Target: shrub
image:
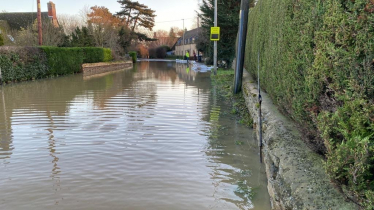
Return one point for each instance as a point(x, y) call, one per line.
point(93, 54)
point(26, 63)
point(64, 60)
point(152, 53)
point(20, 64)
point(96, 54)
point(161, 52)
point(133, 56)
point(158, 52)
point(107, 55)
point(317, 65)
point(1, 40)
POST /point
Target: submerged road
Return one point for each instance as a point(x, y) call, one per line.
point(154, 137)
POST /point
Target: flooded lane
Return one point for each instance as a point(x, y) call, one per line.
point(155, 137)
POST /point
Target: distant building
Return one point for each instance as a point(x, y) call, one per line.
point(188, 44)
point(18, 20)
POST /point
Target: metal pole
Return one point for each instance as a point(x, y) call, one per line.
point(259, 110)
point(215, 42)
point(40, 24)
point(183, 53)
point(240, 49)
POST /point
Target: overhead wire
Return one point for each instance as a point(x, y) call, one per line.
point(175, 20)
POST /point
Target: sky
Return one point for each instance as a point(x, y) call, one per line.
point(169, 12)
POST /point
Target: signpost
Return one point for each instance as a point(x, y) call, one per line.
point(215, 42)
point(214, 33)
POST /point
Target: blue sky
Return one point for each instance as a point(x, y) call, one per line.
point(166, 10)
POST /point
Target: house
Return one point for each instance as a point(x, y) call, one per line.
point(188, 44)
point(18, 20)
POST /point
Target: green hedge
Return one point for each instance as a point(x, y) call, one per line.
point(27, 63)
point(63, 61)
point(95, 54)
point(70, 59)
point(133, 56)
point(317, 64)
point(20, 64)
point(107, 55)
point(1, 40)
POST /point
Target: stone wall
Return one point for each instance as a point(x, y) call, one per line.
point(99, 68)
point(296, 177)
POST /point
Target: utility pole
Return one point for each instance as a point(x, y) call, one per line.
point(240, 48)
point(183, 53)
point(215, 42)
point(39, 24)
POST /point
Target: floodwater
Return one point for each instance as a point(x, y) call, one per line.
point(154, 137)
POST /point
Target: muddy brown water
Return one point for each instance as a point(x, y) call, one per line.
point(154, 137)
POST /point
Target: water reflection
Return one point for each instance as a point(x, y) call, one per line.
point(6, 146)
point(127, 139)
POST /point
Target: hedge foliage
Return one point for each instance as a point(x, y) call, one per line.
point(317, 63)
point(1, 40)
point(62, 61)
point(20, 64)
point(27, 63)
point(133, 56)
point(107, 55)
point(95, 54)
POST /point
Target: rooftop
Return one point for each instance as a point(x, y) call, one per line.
point(18, 20)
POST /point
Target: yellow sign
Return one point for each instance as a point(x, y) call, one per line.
point(214, 33)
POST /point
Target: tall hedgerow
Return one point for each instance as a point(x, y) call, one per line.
point(20, 64)
point(1, 40)
point(27, 63)
point(317, 63)
point(64, 61)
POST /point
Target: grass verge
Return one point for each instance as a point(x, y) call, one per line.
point(223, 81)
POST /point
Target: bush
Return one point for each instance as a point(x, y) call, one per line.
point(107, 55)
point(158, 52)
point(96, 54)
point(63, 61)
point(93, 54)
point(161, 52)
point(317, 64)
point(1, 40)
point(133, 55)
point(26, 63)
point(20, 64)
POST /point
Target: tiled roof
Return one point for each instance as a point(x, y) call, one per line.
point(18, 20)
point(194, 33)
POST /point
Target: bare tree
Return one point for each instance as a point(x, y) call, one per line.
point(70, 22)
point(83, 13)
point(164, 38)
point(52, 36)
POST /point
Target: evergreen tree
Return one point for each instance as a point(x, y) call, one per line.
point(136, 14)
point(228, 21)
point(82, 37)
point(124, 38)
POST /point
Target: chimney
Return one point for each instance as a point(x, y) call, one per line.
point(52, 13)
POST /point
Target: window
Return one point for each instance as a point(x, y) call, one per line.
point(193, 40)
